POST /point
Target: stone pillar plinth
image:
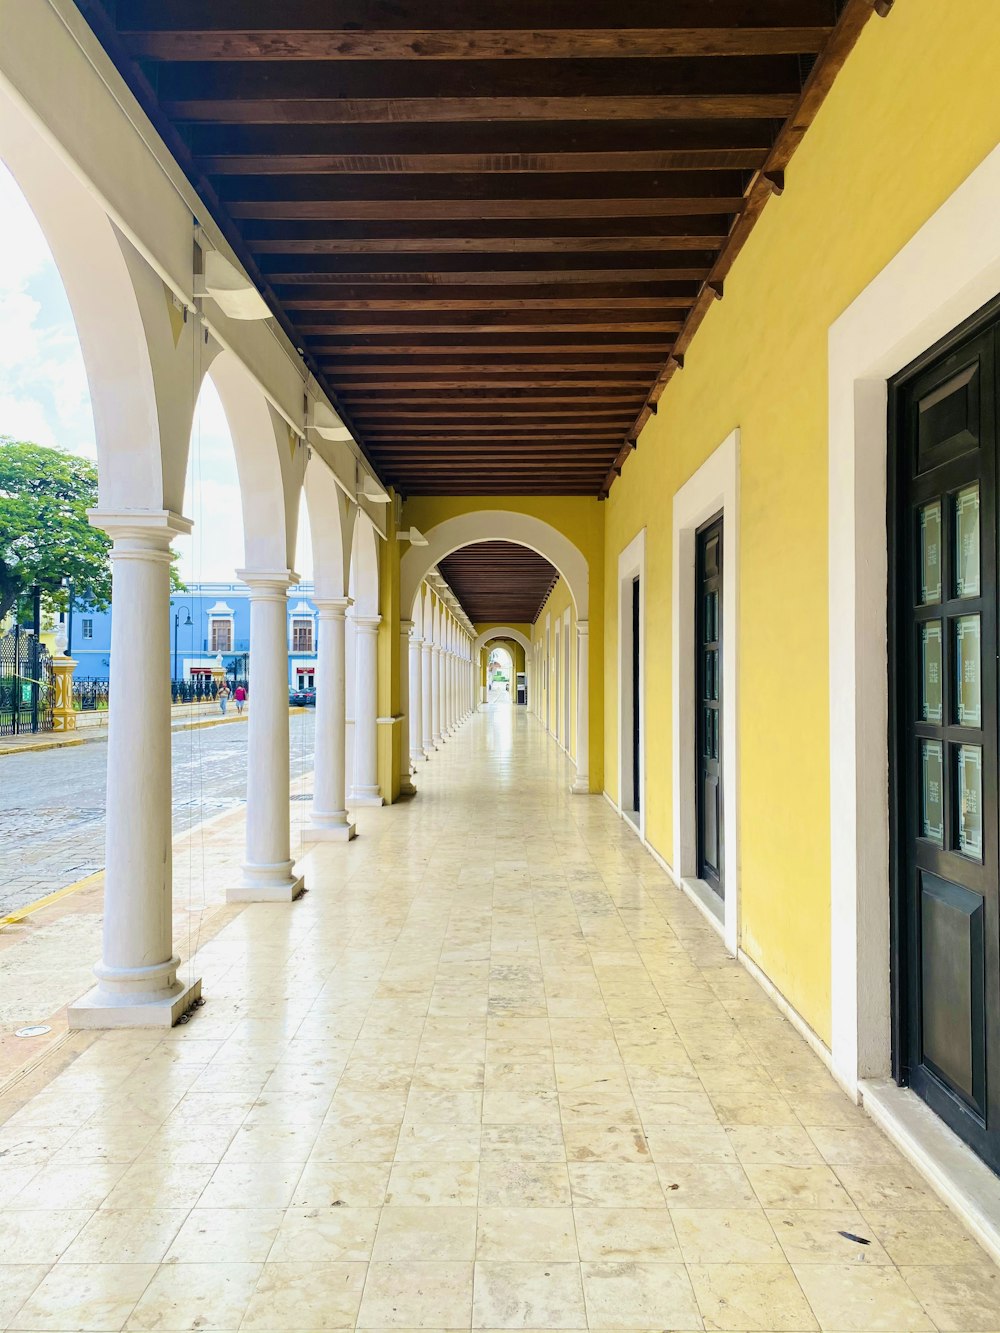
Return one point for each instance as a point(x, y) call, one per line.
point(63, 712)
point(268, 874)
point(330, 821)
point(137, 984)
point(366, 790)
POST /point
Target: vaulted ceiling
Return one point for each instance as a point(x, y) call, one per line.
point(492, 225)
point(499, 581)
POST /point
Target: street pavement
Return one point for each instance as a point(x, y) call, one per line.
point(52, 802)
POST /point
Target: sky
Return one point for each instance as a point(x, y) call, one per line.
point(44, 396)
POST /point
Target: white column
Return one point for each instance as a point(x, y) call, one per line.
point(426, 697)
point(330, 820)
point(366, 789)
point(581, 787)
point(268, 874)
point(406, 787)
point(416, 701)
point(137, 983)
point(436, 695)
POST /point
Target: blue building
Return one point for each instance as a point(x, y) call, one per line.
point(206, 620)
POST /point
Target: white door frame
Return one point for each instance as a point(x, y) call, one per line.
point(631, 564)
point(557, 677)
point(944, 274)
point(714, 488)
point(566, 681)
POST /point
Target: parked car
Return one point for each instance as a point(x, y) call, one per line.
point(301, 698)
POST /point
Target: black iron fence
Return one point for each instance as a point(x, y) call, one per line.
point(90, 696)
point(26, 693)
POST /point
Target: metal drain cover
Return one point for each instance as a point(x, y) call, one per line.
point(37, 1030)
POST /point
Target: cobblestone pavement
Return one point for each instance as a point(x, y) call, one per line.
point(52, 803)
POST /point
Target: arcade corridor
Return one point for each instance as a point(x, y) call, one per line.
point(492, 1071)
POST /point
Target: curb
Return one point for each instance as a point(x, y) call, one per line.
point(36, 748)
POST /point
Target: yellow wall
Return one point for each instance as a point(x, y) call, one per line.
point(579, 518)
point(554, 609)
point(914, 110)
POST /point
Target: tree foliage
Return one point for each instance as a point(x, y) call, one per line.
point(45, 535)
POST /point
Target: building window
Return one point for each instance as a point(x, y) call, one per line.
point(88, 628)
point(222, 636)
point(302, 636)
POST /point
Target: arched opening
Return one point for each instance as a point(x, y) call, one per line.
point(500, 674)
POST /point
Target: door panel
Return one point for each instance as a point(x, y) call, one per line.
point(943, 524)
point(636, 701)
point(708, 677)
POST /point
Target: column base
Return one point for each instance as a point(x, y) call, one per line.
point(366, 796)
point(338, 829)
point(267, 884)
point(99, 1009)
point(406, 787)
point(416, 757)
point(581, 787)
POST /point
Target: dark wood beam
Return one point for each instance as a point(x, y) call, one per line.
point(473, 321)
point(423, 210)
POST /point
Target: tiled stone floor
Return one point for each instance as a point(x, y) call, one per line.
point(492, 1072)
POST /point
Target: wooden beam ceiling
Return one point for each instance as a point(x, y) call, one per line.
point(490, 225)
point(499, 581)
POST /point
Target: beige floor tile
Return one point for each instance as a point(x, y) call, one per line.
point(639, 1295)
point(725, 1236)
point(526, 1143)
point(797, 1186)
point(626, 1234)
point(615, 1185)
point(587, 1142)
point(241, 1185)
point(527, 1234)
point(160, 1185)
point(512, 1184)
point(428, 1142)
point(128, 1236)
point(225, 1235)
point(195, 1296)
point(433, 1184)
point(417, 1295)
point(889, 1187)
point(854, 1145)
point(307, 1296)
point(84, 1296)
point(40, 1236)
point(751, 1298)
point(425, 1233)
point(353, 1185)
point(784, 1145)
point(690, 1143)
point(17, 1282)
point(706, 1185)
point(827, 1236)
point(861, 1297)
point(528, 1295)
point(912, 1237)
point(84, 1186)
point(355, 1140)
point(958, 1296)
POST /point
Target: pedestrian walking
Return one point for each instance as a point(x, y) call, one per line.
point(240, 697)
point(223, 697)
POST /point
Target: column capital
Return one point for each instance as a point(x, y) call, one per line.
point(583, 628)
point(268, 582)
point(332, 608)
point(405, 626)
point(367, 624)
point(140, 531)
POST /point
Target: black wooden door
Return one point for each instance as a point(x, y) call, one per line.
point(708, 688)
point(943, 524)
point(636, 699)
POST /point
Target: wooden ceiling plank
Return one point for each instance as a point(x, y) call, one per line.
point(239, 110)
point(694, 159)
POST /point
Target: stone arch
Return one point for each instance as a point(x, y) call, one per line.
point(502, 632)
point(129, 331)
point(498, 525)
point(267, 464)
point(364, 568)
point(331, 525)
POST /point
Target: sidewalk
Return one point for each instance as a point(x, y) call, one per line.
point(94, 727)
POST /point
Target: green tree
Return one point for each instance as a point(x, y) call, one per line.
point(45, 535)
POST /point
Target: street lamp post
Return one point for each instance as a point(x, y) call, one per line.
point(177, 620)
point(67, 583)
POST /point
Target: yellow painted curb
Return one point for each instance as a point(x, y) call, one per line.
point(42, 745)
point(22, 912)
